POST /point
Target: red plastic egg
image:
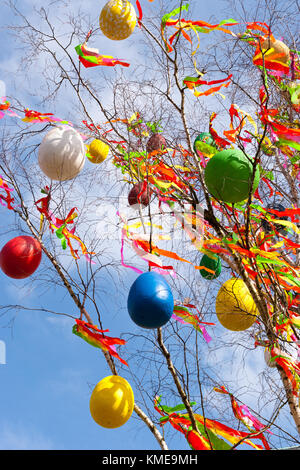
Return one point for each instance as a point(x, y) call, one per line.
point(139, 194)
point(20, 257)
point(156, 142)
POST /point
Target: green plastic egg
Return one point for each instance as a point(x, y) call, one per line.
point(212, 262)
point(228, 176)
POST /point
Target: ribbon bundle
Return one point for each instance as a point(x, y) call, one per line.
point(60, 225)
point(95, 337)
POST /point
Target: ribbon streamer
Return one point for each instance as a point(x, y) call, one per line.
point(95, 337)
point(210, 432)
point(60, 225)
point(8, 199)
point(90, 57)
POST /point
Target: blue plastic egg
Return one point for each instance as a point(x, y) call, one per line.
point(150, 301)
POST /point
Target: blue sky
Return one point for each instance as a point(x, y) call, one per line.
point(49, 373)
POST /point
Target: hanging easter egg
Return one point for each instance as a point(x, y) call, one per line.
point(117, 19)
point(266, 224)
point(205, 144)
point(139, 194)
point(20, 257)
point(212, 263)
point(61, 154)
point(150, 301)
point(228, 176)
point(281, 51)
point(112, 402)
point(97, 151)
point(156, 142)
point(235, 307)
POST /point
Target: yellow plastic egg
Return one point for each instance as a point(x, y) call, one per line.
point(235, 307)
point(279, 48)
point(117, 19)
point(97, 151)
point(111, 402)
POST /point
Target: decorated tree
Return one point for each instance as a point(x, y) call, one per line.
point(168, 187)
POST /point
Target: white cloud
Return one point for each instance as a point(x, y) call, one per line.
point(20, 437)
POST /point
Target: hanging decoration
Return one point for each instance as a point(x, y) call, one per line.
point(150, 301)
point(35, 117)
point(7, 199)
point(20, 257)
point(210, 266)
point(117, 19)
point(95, 337)
point(235, 307)
point(242, 413)
point(97, 151)
point(59, 226)
point(112, 402)
point(185, 315)
point(61, 154)
point(210, 434)
point(229, 176)
point(90, 57)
